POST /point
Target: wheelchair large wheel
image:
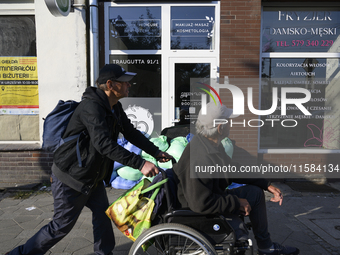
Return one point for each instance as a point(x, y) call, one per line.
point(172, 239)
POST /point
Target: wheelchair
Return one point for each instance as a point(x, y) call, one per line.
point(184, 232)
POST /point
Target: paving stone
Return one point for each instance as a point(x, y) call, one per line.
point(6, 224)
point(78, 244)
point(60, 247)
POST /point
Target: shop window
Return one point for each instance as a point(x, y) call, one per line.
point(184, 72)
point(19, 96)
point(143, 104)
point(300, 49)
point(149, 39)
point(147, 82)
point(192, 28)
point(135, 28)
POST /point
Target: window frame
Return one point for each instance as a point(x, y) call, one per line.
point(21, 7)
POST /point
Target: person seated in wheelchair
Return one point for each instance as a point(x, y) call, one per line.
point(208, 194)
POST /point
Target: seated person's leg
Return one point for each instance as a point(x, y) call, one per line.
point(258, 218)
point(258, 214)
point(240, 229)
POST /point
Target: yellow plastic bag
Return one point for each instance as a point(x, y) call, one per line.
point(132, 212)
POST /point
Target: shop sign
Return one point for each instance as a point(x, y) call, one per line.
point(19, 85)
point(135, 28)
point(303, 31)
point(59, 7)
point(192, 27)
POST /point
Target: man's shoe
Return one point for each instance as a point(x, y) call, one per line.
point(279, 249)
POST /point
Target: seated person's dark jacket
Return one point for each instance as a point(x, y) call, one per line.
point(208, 195)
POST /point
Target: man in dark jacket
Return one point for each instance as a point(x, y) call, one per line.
point(100, 117)
point(206, 193)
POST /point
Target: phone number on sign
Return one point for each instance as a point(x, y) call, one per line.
point(307, 43)
point(315, 168)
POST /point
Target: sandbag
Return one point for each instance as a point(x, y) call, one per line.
point(121, 183)
point(113, 175)
point(165, 165)
point(128, 146)
point(189, 137)
point(228, 146)
point(149, 178)
point(162, 144)
point(149, 158)
point(177, 146)
point(129, 173)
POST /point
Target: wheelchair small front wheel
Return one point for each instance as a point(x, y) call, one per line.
point(172, 239)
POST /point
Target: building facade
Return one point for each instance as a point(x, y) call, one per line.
point(270, 50)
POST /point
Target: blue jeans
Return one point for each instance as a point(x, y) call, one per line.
point(68, 205)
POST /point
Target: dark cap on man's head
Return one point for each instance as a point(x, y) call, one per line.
point(115, 73)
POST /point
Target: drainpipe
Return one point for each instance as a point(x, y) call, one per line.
point(94, 42)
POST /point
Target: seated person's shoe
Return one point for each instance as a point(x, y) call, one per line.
point(278, 249)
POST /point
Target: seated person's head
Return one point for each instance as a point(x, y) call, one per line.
point(213, 122)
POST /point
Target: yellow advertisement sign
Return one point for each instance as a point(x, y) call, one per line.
point(18, 68)
point(19, 92)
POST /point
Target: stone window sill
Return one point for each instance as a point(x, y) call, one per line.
point(20, 146)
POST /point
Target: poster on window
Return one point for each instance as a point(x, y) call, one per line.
point(318, 126)
point(19, 85)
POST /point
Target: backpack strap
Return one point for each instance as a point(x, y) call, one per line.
point(70, 138)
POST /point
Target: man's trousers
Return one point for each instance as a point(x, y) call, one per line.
point(68, 204)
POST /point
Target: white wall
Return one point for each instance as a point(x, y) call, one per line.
point(61, 52)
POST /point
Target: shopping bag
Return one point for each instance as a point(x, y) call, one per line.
point(132, 212)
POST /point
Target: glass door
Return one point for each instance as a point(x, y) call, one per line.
point(178, 109)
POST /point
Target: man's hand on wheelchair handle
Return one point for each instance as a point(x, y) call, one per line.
point(149, 169)
point(163, 157)
point(278, 197)
point(245, 207)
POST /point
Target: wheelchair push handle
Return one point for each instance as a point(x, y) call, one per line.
point(166, 188)
point(173, 161)
point(166, 184)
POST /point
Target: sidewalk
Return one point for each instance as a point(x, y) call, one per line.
point(309, 220)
